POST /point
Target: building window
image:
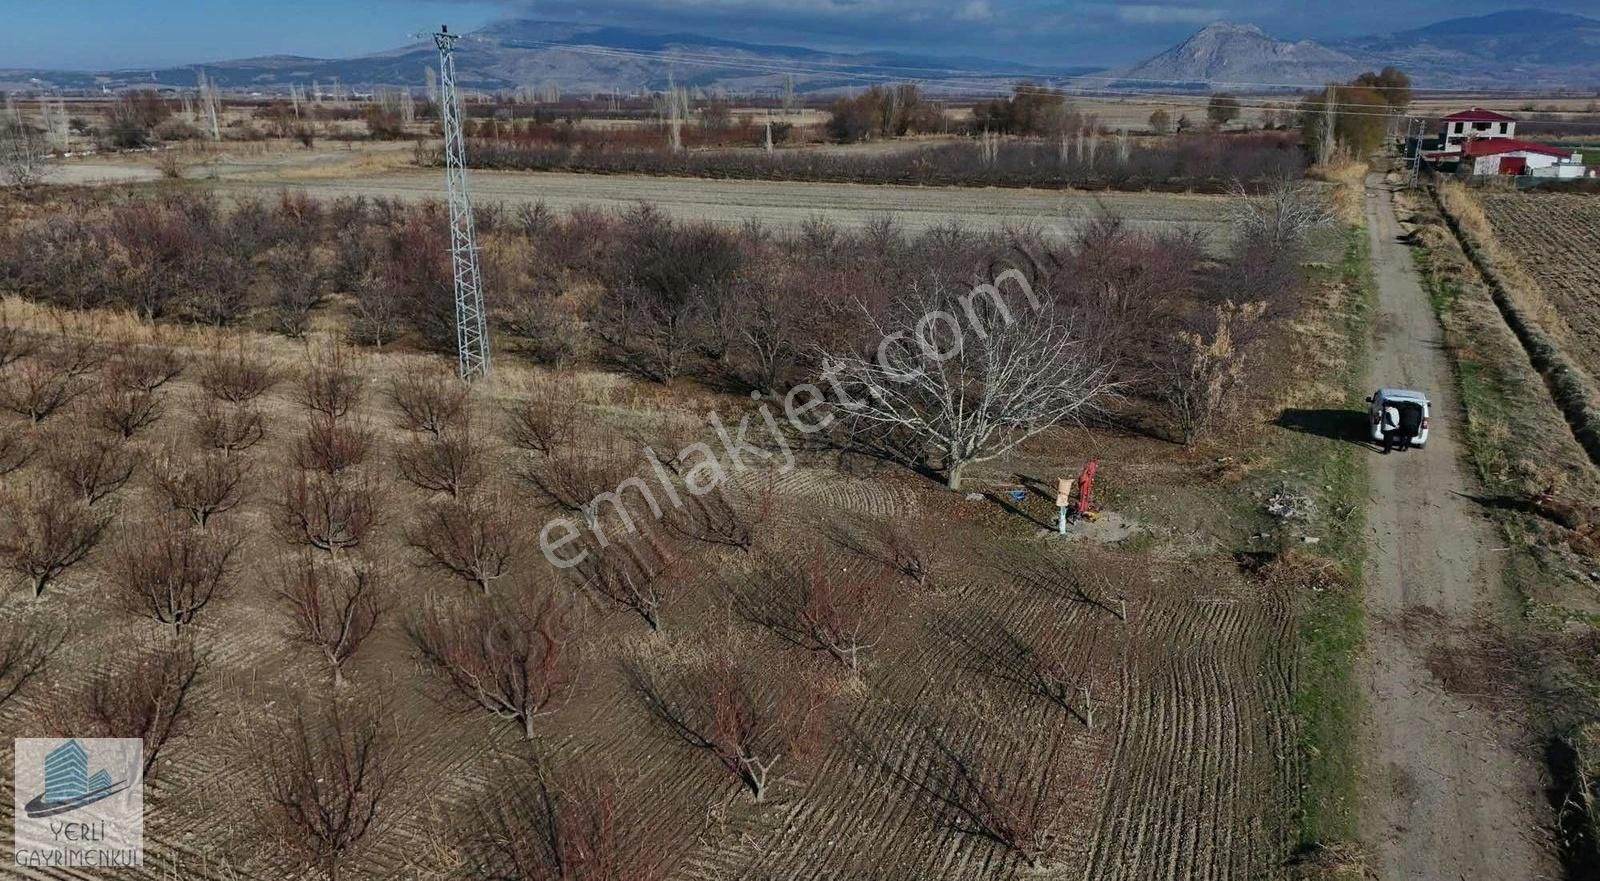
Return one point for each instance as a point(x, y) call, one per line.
point(1458, 127)
point(1502, 128)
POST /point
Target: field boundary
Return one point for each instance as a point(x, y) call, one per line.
point(1485, 383)
point(1571, 388)
point(1327, 698)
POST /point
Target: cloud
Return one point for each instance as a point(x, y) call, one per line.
point(976, 10)
point(1155, 13)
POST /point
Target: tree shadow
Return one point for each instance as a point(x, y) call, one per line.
point(1340, 425)
point(1515, 504)
point(1005, 503)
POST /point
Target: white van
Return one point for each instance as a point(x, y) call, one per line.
point(1413, 407)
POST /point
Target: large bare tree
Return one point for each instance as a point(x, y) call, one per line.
point(24, 156)
point(970, 374)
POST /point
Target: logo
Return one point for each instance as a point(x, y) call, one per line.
point(79, 802)
point(66, 788)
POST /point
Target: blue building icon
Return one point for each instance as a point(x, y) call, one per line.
point(66, 772)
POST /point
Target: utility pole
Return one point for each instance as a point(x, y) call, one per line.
point(472, 329)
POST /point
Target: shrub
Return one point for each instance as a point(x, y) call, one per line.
point(332, 446)
point(333, 607)
point(236, 377)
point(329, 779)
point(449, 462)
point(469, 537)
point(92, 465)
point(333, 384)
point(171, 572)
point(202, 486)
point(515, 657)
point(574, 827)
point(143, 693)
point(326, 512)
point(429, 400)
point(230, 428)
point(46, 532)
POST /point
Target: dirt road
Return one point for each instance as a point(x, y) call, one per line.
point(777, 203)
point(1449, 793)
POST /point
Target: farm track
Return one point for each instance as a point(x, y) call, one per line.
point(1451, 789)
point(776, 203)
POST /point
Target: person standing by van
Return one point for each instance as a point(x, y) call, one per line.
point(1391, 427)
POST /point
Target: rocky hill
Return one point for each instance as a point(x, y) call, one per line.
point(1233, 55)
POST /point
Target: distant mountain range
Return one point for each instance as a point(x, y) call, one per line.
point(580, 59)
point(1519, 48)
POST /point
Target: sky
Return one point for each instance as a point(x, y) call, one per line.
point(102, 34)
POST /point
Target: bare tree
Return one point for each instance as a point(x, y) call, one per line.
point(329, 782)
point(328, 513)
point(641, 575)
point(572, 478)
point(821, 605)
point(1280, 215)
point(236, 376)
point(515, 656)
point(24, 156)
point(333, 385)
point(542, 826)
point(37, 388)
point(295, 282)
point(429, 400)
point(46, 531)
point(144, 368)
point(16, 342)
point(93, 465)
point(228, 428)
point(17, 449)
point(469, 537)
point(451, 461)
point(170, 571)
point(333, 607)
point(143, 693)
point(973, 392)
point(332, 446)
point(751, 724)
point(25, 651)
point(203, 486)
point(123, 412)
point(544, 417)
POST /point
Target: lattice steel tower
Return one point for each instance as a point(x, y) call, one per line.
point(472, 327)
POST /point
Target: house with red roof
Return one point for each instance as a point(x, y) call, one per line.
point(1489, 156)
point(1458, 128)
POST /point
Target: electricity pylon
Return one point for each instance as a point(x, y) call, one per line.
point(472, 328)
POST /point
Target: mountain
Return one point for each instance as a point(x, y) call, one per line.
point(1517, 47)
point(580, 59)
point(1223, 54)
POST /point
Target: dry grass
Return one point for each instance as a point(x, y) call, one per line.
point(1349, 193)
point(1522, 287)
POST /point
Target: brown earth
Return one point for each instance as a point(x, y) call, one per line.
point(1451, 789)
point(1188, 769)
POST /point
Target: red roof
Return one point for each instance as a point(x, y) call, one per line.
point(1494, 146)
point(1478, 114)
